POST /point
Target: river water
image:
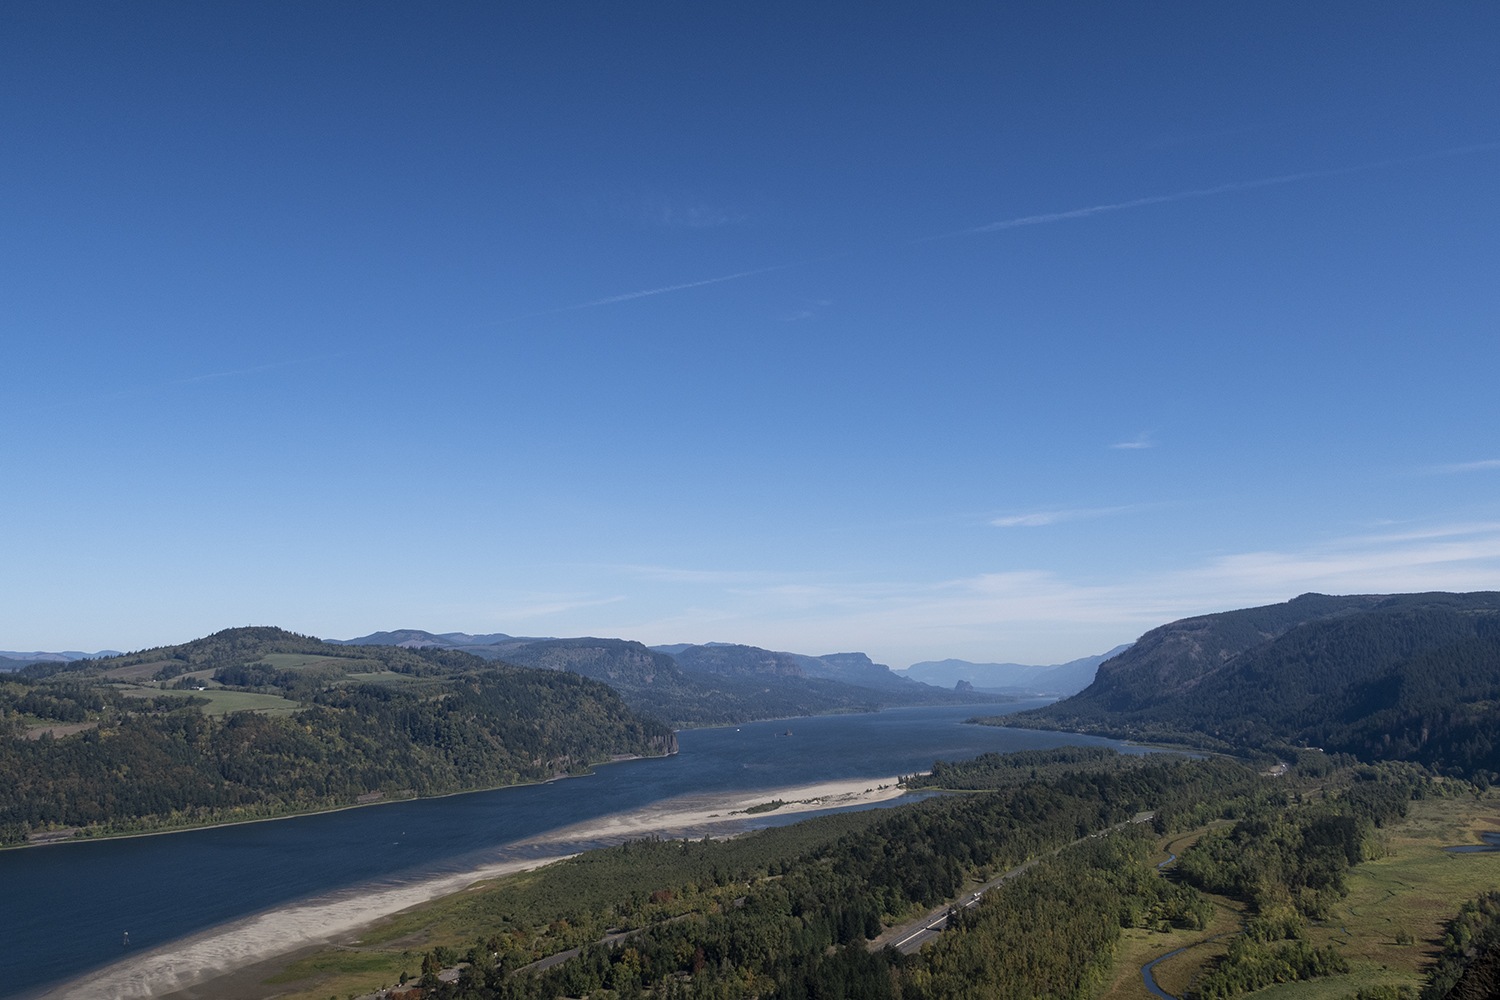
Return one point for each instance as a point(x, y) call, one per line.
point(64, 909)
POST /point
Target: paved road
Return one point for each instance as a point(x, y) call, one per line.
point(910, 937)
point(907, 938)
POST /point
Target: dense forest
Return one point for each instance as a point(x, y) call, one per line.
point(736, 920)
point(1468, 967)
point(148, 752)
point(804, 912)
point(1410, 677)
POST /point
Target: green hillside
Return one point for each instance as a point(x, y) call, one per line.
point(1411, 677)
point(259, 722)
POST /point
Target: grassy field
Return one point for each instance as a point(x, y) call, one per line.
point(1412, 890)
point(345, 971)
point(1139, 946)
point(222, 701)
point(137, 671)
point(302, 661)
point(390, 677)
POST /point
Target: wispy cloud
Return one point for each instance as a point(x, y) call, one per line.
point(1140, 441)
point(680, 574)
point(1480, 466)
point(544, 606)
point(1039, 615)
point(1042, 518)
point(667, 213)
point(808, 311)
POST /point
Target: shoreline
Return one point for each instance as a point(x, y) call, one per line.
point(303, 814)
point(220, 952)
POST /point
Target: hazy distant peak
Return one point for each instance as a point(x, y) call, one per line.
point(62, 656)
point(1054, 679)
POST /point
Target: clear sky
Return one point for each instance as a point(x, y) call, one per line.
point(992, 331)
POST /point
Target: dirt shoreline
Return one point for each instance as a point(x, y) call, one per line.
point(215, 962)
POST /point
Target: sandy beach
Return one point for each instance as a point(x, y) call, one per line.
point(190, 965)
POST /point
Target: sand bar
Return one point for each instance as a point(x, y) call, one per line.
point(196, 960)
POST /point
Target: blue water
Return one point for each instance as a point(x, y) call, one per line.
point(1148, 975)
point(65, 908)
point(1490, 845)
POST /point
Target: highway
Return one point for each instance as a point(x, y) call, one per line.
point(909, 938)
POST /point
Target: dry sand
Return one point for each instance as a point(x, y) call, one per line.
point(223, 950)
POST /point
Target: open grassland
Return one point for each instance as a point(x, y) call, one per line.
point(222, 701)
point(391, 678)
point(138, 671)
point(342, 972)
point(1139, 945)
point(304, 661)
point(1409, 892)
point(36, 729)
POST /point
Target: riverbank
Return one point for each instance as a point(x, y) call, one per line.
point(214, 963)
point(59, 838)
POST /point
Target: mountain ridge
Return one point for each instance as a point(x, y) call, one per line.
point(1412, 677)
point(712, 683)
point(1053, 679)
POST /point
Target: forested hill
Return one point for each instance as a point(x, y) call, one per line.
point(1406, 677)
point(259, 722)
point(707, 685)
point(699, 685)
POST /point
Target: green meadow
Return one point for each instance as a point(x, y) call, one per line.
point(1389, 926)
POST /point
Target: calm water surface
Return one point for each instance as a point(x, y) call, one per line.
point(1491, 844)
point(64, 909)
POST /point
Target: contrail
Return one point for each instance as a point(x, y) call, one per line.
point(1208, 192)
point(685, 285)
point(1038, 220)
point(665, 289)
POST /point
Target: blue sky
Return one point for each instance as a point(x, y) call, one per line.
point(1001, 332)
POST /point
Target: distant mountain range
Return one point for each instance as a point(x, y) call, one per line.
point(700, 684)
point(11, 660)
point(1404, 677)
point(1013, 678)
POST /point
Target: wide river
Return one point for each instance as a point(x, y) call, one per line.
point(65, 909)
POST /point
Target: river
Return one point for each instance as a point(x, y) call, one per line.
point(66, 908)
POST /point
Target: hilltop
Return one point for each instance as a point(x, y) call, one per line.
point(253, 722)
point(1014, 678)
point(1412, 677)
point(697, 685)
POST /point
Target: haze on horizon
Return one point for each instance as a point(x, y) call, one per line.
point(977, 332)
